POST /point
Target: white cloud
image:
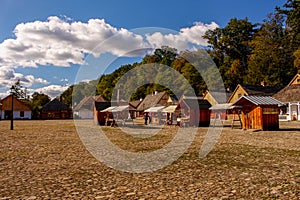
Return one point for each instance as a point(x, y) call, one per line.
point(59, 42)
point(62, 42)
point(8, 76)
point(185, 37)
point(52, 90)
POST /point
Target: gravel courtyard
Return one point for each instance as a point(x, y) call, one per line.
point(47, 160)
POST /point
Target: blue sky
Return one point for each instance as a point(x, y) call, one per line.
point(45, 43)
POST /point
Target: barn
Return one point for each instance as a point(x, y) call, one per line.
point(21, 110)
point(259, 112)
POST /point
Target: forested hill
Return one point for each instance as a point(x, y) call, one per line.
point(243, 52)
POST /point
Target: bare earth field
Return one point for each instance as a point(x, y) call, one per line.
point(47, 160)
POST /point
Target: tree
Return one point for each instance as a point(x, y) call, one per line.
point(297, 59)
point(291, 12)
point(38, 100)
point(166, 55)
point(231, 44)
point(18, 90)
point(272, 59)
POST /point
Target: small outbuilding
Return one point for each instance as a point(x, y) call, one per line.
point(194, 111)
point(100, 117)
point(259, 112)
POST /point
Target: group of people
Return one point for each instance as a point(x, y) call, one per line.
point(147, 117)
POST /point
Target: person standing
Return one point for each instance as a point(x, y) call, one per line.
point(146, 118)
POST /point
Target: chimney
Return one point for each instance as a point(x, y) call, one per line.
point(155, 92)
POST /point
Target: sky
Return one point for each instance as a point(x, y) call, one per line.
point(49, 45)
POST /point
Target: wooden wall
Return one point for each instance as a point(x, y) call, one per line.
point(204, 118)
point(56, 114)
point(260, 117)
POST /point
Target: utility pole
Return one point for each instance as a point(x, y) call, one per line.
point(12, 108)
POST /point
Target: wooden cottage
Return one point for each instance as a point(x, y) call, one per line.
point(85, 108)
point(259, 112)
point(21, 110)
point(56, 110)
point(252, 90)
point(290, 96)
point(151, 100)
point(194, 111)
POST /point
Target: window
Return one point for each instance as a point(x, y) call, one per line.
point(21, 113)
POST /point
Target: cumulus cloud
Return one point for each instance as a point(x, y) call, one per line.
point(59, 43)
point(8, 76)
point(62, 42)
point(52, 90)
point(184, 38)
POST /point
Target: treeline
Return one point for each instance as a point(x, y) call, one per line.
point(244, 53)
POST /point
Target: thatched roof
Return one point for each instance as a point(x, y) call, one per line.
point(55, 105)
point(288, 94)
point(258, 90)
point(135, 103)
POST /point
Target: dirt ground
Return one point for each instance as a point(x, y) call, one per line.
point(47, 160)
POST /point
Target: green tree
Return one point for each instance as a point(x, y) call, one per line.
point(229, 44)
point(291, 11)
point(38, 100)
point(297, 59)
point(18, 90)
point(272, 58)
point(165, 55)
